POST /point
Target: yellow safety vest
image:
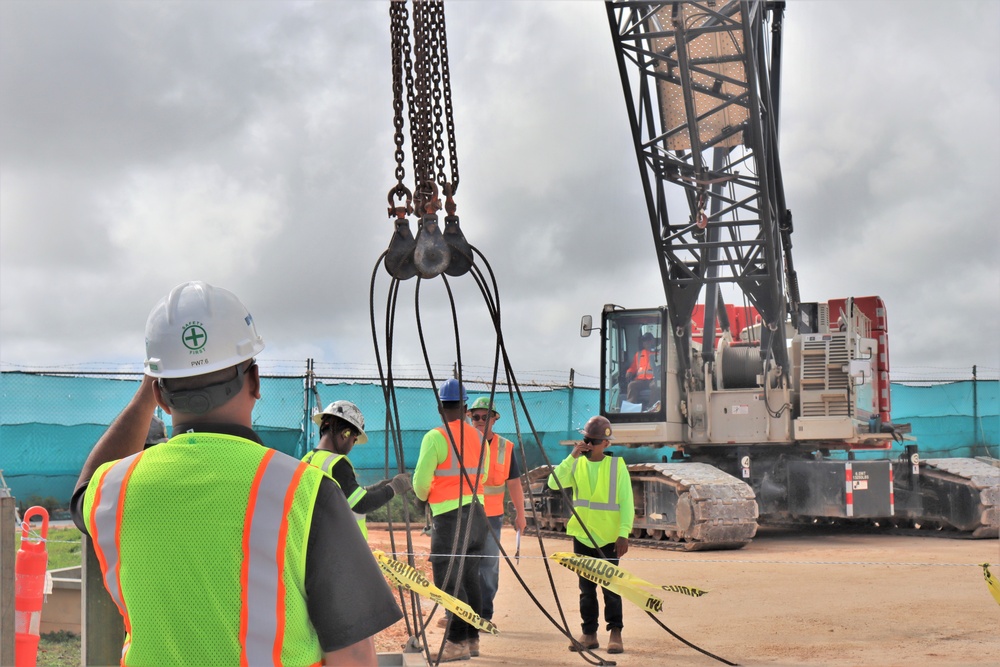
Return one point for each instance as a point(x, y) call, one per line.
point(325, 460)
point(202, 544)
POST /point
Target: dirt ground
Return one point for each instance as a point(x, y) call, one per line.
point(790, 598)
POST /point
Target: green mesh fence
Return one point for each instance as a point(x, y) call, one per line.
point(49, 423)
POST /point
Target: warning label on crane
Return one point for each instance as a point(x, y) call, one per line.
point(619, 581)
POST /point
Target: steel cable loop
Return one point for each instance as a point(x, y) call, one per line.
point(512, 383)
point(491, 298)
point(389, 392)
point(392, 430)
point(493, 304)
point(464, 532)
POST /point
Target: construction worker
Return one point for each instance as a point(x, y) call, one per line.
point(641, 367)
point(341, 426)
point(450, 476)
point(639, 375)
point(502, 475)
point(602, 499)
point(216, 549)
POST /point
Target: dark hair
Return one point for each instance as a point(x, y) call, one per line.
point(333, 423)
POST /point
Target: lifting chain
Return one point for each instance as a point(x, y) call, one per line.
point(425, 70)
point(399, 256)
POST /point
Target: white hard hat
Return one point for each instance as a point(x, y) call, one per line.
point(198, 329)
point(349, 413)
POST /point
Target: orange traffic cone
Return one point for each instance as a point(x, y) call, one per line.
point(29, 588)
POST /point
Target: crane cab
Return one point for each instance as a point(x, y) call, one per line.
point(639, 377)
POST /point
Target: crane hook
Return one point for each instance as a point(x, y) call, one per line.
point(399, 256)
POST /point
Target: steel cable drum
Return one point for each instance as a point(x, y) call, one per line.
point(738, 367)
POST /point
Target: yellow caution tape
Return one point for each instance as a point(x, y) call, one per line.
point(411, 579)
point(621, 582)
point(991, 582)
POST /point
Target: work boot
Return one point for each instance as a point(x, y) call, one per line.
point(615, 642)
point(454, 651)
point(473, 645)
point(586, 641)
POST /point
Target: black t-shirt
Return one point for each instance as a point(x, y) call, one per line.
point(375, 496)
point(347, 596)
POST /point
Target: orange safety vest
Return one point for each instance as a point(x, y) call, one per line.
point(497, 474)
point(449, 482)
point(642, 366)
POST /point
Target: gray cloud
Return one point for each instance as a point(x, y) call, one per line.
point(250, 145)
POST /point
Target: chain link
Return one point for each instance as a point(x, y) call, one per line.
point(448, 109)
point(400, 36)
point(423, 72)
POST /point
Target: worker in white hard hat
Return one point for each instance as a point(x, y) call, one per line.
point(215, 548)
point(341, 426)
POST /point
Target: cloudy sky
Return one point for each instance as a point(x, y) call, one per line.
point(249, 144)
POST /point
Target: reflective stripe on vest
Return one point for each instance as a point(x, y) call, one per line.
point(449, 467)
point(496, 476)
point(261, 629)
point(449, 483)
point(493, 485)
point(104, 515)
point(327, 467)
point(643, 368)
point(262, 597)
point(612, 504)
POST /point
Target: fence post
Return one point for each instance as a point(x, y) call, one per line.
point(569, 412)
point(7, 557)
point(975, 410)
point(310, 387)
point(103, 628)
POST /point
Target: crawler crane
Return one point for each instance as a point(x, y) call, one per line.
point(765, 402)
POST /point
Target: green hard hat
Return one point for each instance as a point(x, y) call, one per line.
point(483, 403)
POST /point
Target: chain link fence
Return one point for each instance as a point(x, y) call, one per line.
point(50, 420)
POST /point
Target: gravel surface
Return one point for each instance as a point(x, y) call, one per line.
point(803, 597)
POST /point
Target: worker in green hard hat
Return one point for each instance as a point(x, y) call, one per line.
point(502, 473)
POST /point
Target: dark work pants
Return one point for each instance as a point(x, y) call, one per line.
point(446, 526)
point(589, 610)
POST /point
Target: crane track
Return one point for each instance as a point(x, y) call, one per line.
point(662, 545)
point(832, 528)
point(679, 507)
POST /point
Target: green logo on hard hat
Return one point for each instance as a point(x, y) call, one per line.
point(194, 336)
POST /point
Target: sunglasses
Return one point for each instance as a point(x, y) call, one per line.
point(480, 418)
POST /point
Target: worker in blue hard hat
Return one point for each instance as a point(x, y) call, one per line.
point(450, 476)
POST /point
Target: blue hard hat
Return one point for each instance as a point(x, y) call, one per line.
point(452, 390)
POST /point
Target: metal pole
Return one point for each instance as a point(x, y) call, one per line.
point(975, 410)
point(310, 384)
point(569, 411)
point(103, 628)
